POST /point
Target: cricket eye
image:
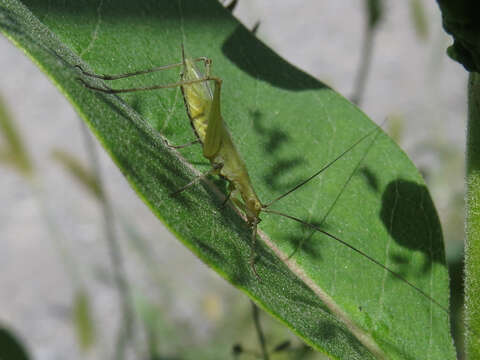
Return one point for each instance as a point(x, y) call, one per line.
point(252, 204)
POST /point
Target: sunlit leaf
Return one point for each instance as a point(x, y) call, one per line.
point(286, 125)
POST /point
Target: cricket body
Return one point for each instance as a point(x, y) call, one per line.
point(203, 109)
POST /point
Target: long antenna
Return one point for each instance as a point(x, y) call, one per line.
point(322, 169)
point(316, 228)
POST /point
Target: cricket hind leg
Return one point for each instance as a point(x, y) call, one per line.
point(107, 77)
point(148, 88)
point(207, 63)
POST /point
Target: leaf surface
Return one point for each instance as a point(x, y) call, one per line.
point(286, 125)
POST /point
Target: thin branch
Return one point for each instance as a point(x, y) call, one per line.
point(364, 66)
point(125, 331)
point(258, 328)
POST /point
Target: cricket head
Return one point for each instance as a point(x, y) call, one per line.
point(253, 207)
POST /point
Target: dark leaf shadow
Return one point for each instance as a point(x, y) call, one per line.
point(370, 178)
point(275, 139)
point(409, 216)
point(327, 330)
point(305, 240)
point(273, 177)
point(260, 62)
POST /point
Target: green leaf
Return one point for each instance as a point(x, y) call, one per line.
point(82, 318)
point(11, 348)
point(460, 19)
point(286, 125)
point(472, 229)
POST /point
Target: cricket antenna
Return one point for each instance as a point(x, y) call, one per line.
point(368, 257)
point(322, 169)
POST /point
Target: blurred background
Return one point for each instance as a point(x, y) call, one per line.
point(58, 294)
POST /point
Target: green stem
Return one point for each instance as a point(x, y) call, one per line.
point(364, 66)
point(126, 331)
point(258, 328)
point(59, 240)
point(472, 245)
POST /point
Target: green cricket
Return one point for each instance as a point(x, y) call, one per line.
point(203, 109)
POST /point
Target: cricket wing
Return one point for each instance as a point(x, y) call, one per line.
point(213, 138)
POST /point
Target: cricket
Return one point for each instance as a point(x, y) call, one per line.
point(202, 105)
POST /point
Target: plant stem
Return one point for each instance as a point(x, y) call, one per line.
point(125, 332)
point(472, 241)
point(364, 65)
point(258, 328)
